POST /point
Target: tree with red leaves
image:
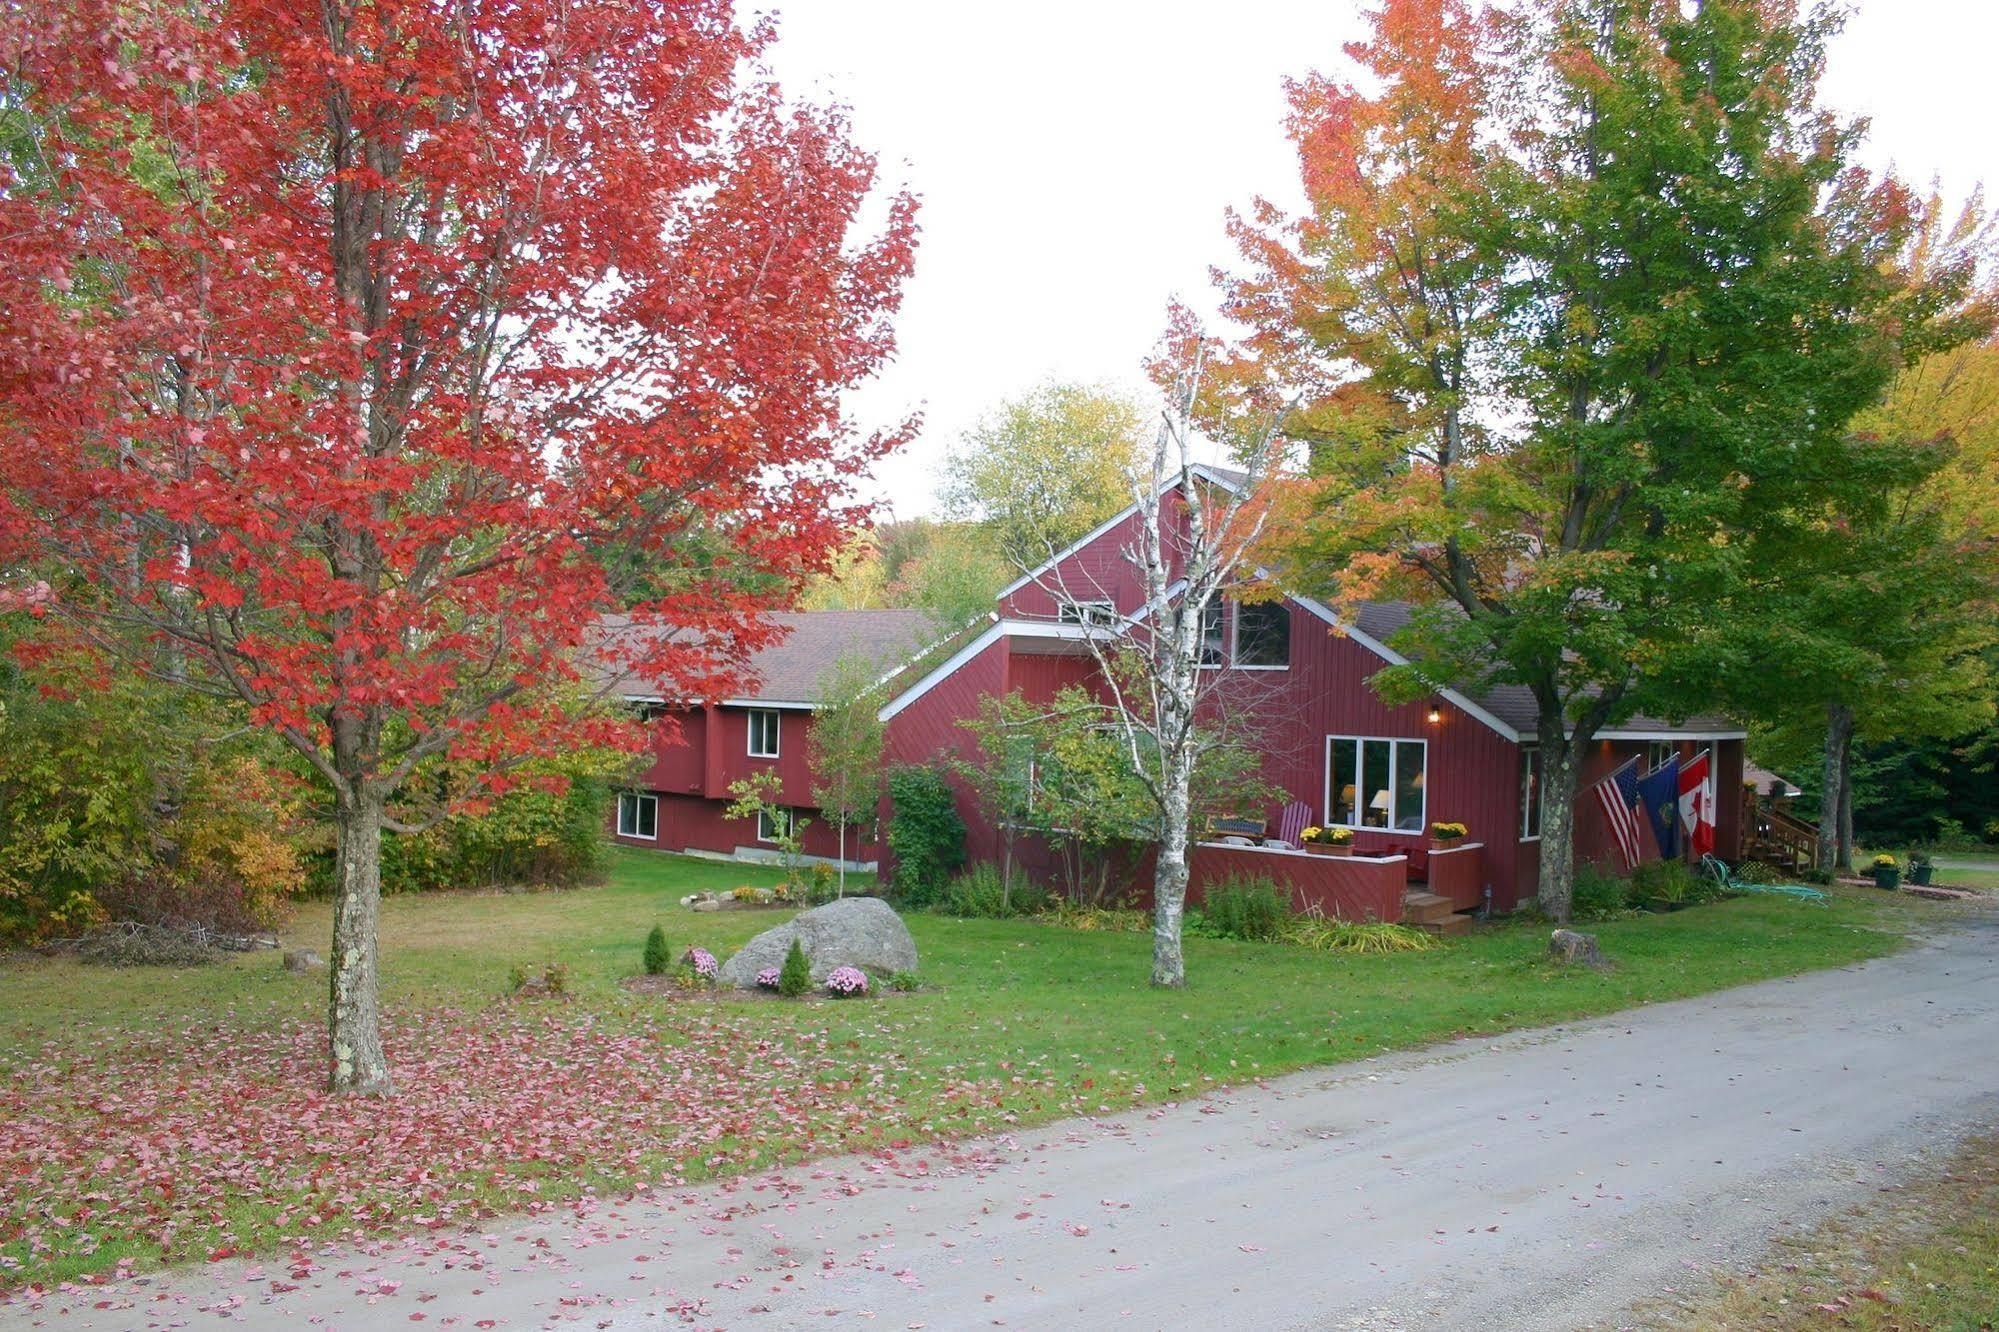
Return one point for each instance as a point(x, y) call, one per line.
point(349, 351)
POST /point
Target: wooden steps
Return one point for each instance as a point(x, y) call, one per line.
point(1433, 914)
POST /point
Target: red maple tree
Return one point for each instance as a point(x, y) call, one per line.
point(354, 355)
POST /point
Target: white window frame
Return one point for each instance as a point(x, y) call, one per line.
point(1664, 750)
point(1090, 614)
point(1360, 761)
point(1530, 763)
point(776, 732)
point(767, 832)
point(638, 799)
point(1226, 652)
point(1235, 639)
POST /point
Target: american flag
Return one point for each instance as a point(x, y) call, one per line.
point(1619, 796)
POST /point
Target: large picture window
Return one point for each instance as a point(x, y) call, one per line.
point(763, 733)
point(1375, 783)
point(1263, 636)
point(638, 815)
point(1530, 793)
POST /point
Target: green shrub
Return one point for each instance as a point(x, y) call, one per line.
point(1094, 919)
point(925, 834)
point(824, 885)
point(1665, 881)
point(1343, 936)
point(904, 981)
point(979, 891)
point(1597, 895)
point(657, 959)
point(1813, 874)
point(1246, 908)
point(796, 977)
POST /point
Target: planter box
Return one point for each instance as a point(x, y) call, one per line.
point(1329, 849)
point(1886, 878)
point(1442, 844)
point(1920, 875)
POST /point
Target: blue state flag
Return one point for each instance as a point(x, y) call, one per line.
point(1659, 793)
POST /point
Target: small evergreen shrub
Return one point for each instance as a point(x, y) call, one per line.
point(657, 959)
point(1597, 895)
point(795, 978)
point(1253, 909)
point(925, 834)
point(904, 982)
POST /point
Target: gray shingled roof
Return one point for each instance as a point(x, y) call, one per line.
point(795, 668)
point(1514, 704)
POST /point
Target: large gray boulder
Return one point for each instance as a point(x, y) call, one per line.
point(859, 932)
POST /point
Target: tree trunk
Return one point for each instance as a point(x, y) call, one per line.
point(1838, 739)
point(842, 826)
point(1561, 770)
point(358, 1064)
point(1169, 892)
point(1846, 809)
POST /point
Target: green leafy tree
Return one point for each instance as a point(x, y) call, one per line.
point(1584, 298)
point(761, 795)
point(1044, 468)
point(844, 745)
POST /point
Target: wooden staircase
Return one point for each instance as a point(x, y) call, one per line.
point(1433, 914)
point(1776, 837)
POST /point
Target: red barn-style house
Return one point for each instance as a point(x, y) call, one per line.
point(1387, 772)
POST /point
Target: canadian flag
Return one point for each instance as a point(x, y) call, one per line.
point(1697, 803)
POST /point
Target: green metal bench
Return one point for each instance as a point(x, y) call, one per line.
point(1717, 870)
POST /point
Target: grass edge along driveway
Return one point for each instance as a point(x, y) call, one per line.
point(153, 1116)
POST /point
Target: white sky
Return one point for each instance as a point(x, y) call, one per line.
point(1076, 158)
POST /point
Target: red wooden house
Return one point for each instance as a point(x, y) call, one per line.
point(1387, 772)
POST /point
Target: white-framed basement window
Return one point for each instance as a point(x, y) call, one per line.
point(763, 732)
point(638, 815)
point(775, 822)
point(1102, 614)
point(1530, 793)
point(1376, 782)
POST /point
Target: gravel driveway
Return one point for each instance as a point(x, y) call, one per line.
point(1545, 1179)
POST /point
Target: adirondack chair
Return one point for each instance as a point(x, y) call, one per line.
point(1714, 868)
point(1291, 825)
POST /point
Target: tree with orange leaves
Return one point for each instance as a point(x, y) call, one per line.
point(1587, 290)
point(342, 345)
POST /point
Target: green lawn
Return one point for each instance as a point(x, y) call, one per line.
point(1019, 1022)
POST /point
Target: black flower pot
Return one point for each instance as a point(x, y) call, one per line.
point(1887, 876)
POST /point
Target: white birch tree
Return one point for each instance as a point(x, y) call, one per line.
point(1194, 531)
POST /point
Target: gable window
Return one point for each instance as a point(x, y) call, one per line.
point(1375, 783)
point(775, 822)
point(645, 710)
point(1530, 793)
point(1263, 636)
point(1100, 613)
point(763, 732)
point(1214, 638)
point(1659, 751)
point(638, 815)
